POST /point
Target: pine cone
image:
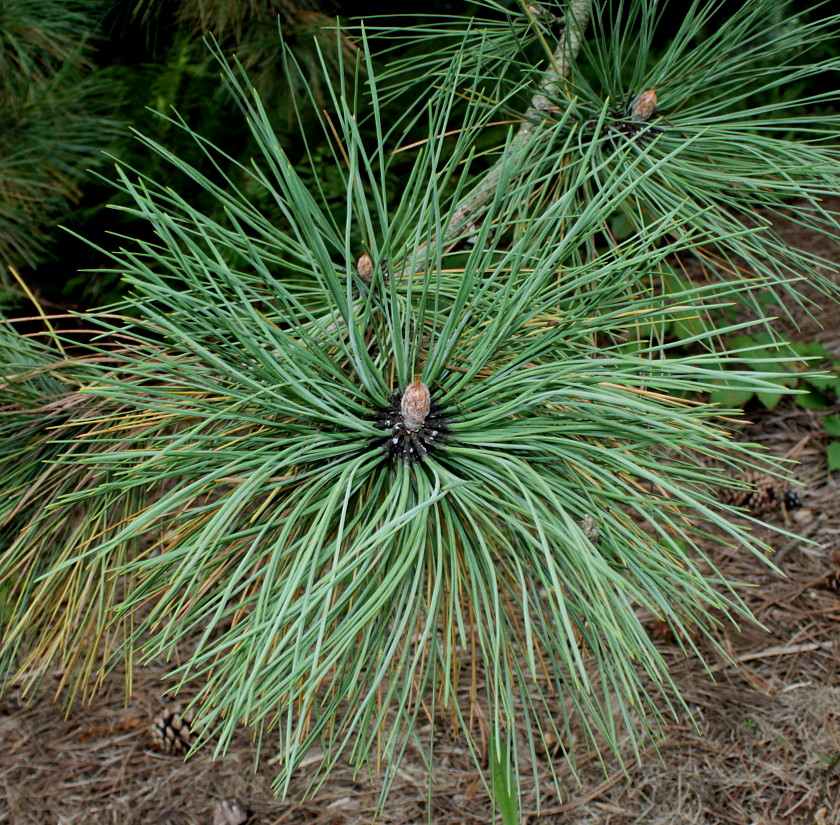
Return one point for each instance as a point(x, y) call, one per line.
point(832, 579)
point(171, 731)
point(763, 494)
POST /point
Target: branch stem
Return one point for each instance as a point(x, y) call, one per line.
point(576, 21)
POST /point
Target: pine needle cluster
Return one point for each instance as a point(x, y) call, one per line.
point(236, 472)
point(724, 122)
point(53, 121)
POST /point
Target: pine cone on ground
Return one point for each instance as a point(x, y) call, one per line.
point(763, 494)
point(832, 579)
point(171, 731)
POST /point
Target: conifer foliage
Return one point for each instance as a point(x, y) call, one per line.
point(53, 115)
point(424, 452)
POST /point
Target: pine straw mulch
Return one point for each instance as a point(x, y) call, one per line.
point(762, 746)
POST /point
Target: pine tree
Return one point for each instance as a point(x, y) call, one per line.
point(439, 432)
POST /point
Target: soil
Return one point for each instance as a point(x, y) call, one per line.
point(758, 745)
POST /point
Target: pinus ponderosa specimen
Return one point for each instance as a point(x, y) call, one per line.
point(328, 589)
point(335, 592)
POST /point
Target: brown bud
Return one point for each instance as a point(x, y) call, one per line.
point(365, 268)
point(644, 105)
point(415, 405)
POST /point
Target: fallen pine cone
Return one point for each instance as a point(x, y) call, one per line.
point(171, 731)
point(660, 629)
point(832, 579)
point(762, 494)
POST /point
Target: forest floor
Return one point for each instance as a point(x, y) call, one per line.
point(758, 745)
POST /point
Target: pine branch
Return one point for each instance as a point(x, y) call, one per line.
point(577, 19)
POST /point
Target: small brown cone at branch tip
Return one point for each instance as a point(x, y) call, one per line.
point(415, 405)
point(644, 105)
point(364, 267)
